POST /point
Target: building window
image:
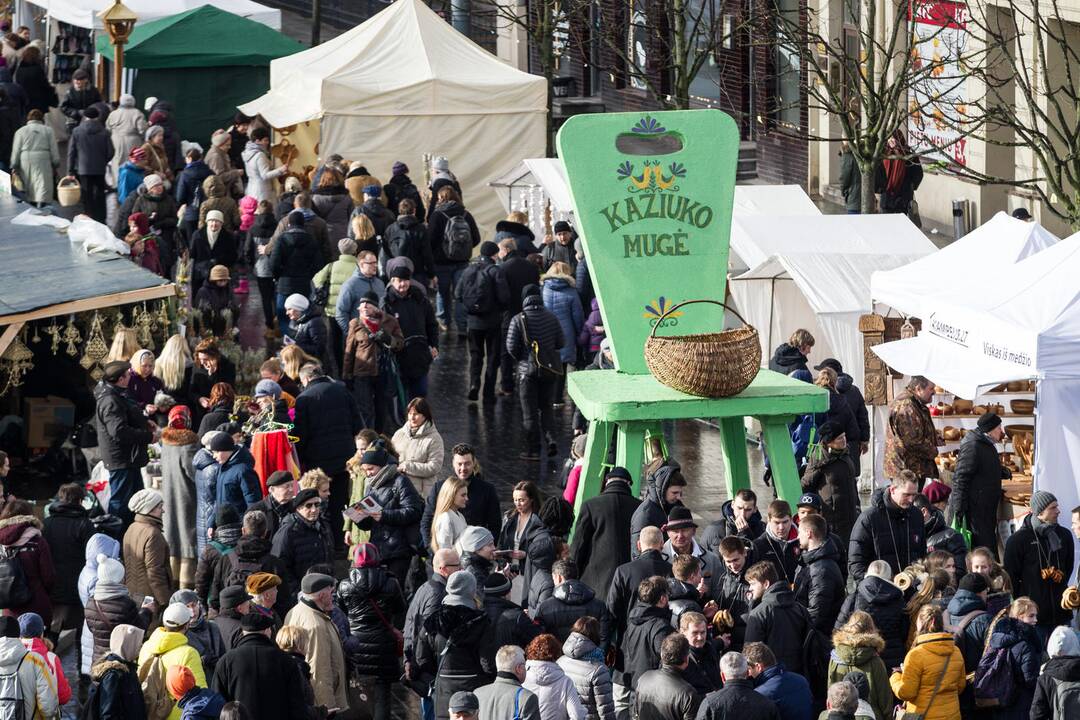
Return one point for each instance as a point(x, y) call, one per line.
point(787, 90)
point(637, 42)
point(705, 86)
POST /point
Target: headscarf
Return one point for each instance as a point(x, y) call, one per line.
point(142, 223)
point(126, 641)
point(896, 167)
point(180, 418)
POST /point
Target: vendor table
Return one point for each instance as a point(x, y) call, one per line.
point(633, 406)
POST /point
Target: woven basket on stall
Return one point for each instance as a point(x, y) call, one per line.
point(712, 365)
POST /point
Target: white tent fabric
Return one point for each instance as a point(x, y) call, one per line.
point(86, 13)
point(406, 83)
point(548, 173)
point(773, 200)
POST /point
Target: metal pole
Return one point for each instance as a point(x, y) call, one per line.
point(461, 16)
point(316, 21)
point(959, 221)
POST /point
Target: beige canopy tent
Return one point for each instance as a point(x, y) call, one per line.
point(403, 84)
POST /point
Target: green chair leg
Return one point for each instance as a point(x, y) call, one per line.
point(736, 465)
point(630, 450)
point(592, 470)
point(781, 458)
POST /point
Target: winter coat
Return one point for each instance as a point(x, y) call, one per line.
point(535, 542)
point(359, 595)
point(121, 428)
point(622, 592)
point(665, 694)
point(940, 536)
point(499, 293)
point(333, 276)
point(900, 200)
point(259, 235)
point(885, 531)
point(1063, 668)
point(456, 668)
point(417, 320)
point(1025, 651)
point(583, 663)
point(205, 470)
point(790, 691)
point(205, 637)
point(237, 483)
point(562, 300)
point(852, 395)
point(160, 209)
point(36, 157)
point(314, 226)
point(885, 604)
point(310, 333)
point(75, 101)
point(425, 601)
point(787, 359)
point(820, 586)
point(35, 681)
point(324, 653)
point(129, 179)
point(200, 704)
point(519, 273)
point(923, 665)
point(420, 452)
point(571, 600)
point(555, 692)
point(861, 651)
point(257, 167)
point(520, 234)
point(481, 509)
point(174, 649)
point(646, 629)
point(89, 148)
point(976, 487)
point(1027, 553)
point(223, 543)
point(911, 439)
point(603, 524)
point(333, 205)
point(300, 544)
point(782, 624)
point(203, 257)
point(294, 260)
point(40, 94)
point(784, 555)
point(590, 338)
point(67, 531)
point(554, 252)
point(653, 510)
point(127, 128)
point(397, 534)
point(351, 292)
point(380, 217)
point(418, 250)
point(23, 534)
point(716, 531)
point(326, 420)
point(146, 561)
point(437, 221)
point(972, 640)
point(832, 476)
point(534, 324)
point(217, 197)
point(254, 551)
point(117, 692)
point(178, 448)
point(703, 669)
point(99, 544)
point(361, 358)
point(850, 182)
point(262, 678)
point(737, 699)
point(498, 699)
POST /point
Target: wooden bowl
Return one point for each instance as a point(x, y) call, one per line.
point(962, 407)
point(1017, 386)
point(996, 408)
point(1015, 431)
point(950, 434)
point(1022, 407)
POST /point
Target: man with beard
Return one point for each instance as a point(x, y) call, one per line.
point(482, 507)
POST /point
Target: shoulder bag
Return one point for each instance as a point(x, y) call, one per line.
point(399, 638)
point(536, 362)
point(901, 714)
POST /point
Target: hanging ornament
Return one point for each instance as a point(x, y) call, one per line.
point(95, 349)
point(37, 337)
point(72, 337)
point(54, 332)
point(16, 361)
point(144, 327)
point(163, 319)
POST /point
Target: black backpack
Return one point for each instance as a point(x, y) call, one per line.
point(14, 589)
point(477, 289)
point(399, 241)
point(239, 569)
point(457, 238)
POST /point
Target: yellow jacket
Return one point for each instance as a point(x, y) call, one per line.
point(922, 667)
point(174, 650)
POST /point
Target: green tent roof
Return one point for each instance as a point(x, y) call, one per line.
point(203, 37)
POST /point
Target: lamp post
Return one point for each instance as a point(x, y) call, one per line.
point(119, 22)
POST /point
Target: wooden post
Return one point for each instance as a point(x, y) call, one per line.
point(118, 71)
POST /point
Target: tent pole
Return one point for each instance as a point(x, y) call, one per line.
point(316, 21)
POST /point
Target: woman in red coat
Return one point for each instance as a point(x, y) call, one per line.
point(20, 533)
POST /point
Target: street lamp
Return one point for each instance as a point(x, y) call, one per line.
point(119, 22)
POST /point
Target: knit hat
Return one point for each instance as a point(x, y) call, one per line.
point(680, 517)
point(91, 113)
point(399, 168)
point(232, 597)
point(152, 180)
point(230, 428)
point(158, 117)
point(226, 514)
point(988, 421)
point(208, 437)
point(831, 363)
point(296, 301)
point(367, 555)
point(829, 431)
point(346, 246)
point(530, 290)
point(293, 184)
point(562, 226)
point(399, 261)
point(373, 190)
point(375, 455)
point(461, 590)
point(219, 272)
point(137, 154)
point(1063, 641)
point(186, 146)
point(141, 223)
point(1040, 500)
point(256, 622)
point(440, 163)
point(184, 596)
point(127, 100)
point(219, 137)
point(316, 582)
point(973, 582)
point(489, 249)
point(215, 215)
point(149, 103)
point(31, 625)
point(619, 473)
point(176, 615)
point(9, 626)
point(370, 298)
point(260, 582)
point(153, 131)
point(475, 537)
point(860, 682)
point(402, 272)
point(179, 680)
point(223, 443)
point(296, 219)
point(279, 477)
point(109, 570)
point(464, 701)
point(811, 500)
point(180, 417)
point(267, 388)
point(144, 501)
point(496, 585)
point(937, 492)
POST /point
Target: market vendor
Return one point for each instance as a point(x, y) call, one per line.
point(977, 482)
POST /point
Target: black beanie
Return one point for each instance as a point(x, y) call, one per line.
point(974, 582)
point(296, 219)
point(489, 249)
point(530, 290)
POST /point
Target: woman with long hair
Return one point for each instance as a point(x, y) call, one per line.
point(449, 522)
point(521, 528)
point(174, 366)
point(898, 176)
point(220, 408)
point(292, 359)
point(362, 232)
point(124, 344)
point(1016, 634)
point(932, 676)
point(420, 446)
point(330, 201)
point(857, 645)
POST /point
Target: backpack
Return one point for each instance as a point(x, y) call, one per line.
point(239, 569)
point(457, 238)
point(958, 629)
point(159, 703)
point(815, 651)
point(12, 703)
point(1066, 698)
point(14, 589)
point(477, 290)
point(399, 242)
point(995, 684)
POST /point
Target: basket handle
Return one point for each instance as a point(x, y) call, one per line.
point(68, 182)
point(676, 306)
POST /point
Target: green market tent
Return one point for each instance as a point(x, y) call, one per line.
point(205, 62)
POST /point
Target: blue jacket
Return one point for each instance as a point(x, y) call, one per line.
point(349, 297)
point(190, 181)
point(129, 180)
point(237, 483)
point(562, 300)
point(790, 691)
point(201, 704)
point(206, 474)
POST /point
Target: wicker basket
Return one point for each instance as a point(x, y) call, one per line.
point(712, 365)
point(68, 192)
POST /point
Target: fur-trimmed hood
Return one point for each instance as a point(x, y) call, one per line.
point(107, 663)
point(19, 529)
point(870, 640)
point(558, 276)
point(174, 436)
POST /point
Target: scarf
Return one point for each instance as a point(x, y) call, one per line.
point(212, 236)
point(1044, 531)
point(372, 324)
point(896, 167)
point(107, 591)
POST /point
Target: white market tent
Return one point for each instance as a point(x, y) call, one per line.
point(549, 174)
point(86, 13)
point(405, 83)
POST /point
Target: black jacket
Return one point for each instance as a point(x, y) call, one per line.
point(310, 332)
point(75, 101)
point(784, 555)
point(738, 699)
point(437, 226)
point(522, 236)
point(251, 551)
point(885, 531)
point(569, 601)
point(731, 593)
point(519, 273)
point(972, 640)
point(682, 598)
point(40, 95)
point(977, 487)
point(380, 217)
point(326, 421)
point(67, 530)
point(832, 476)
point(653, 510)
point(703, 669)
point(299, 545)
point(102, 616)
point(716, 531)
point(940, 536)
point(1027, 554)
point(397, 534)
point(622, 593)
point(417, 320)
point(540, 326)
point(509, 625)
point(419, 250)
point(840, 413)
point(203, 257)
point(787, 359)
point(228, 624)
point(275, 512)
point(201, 382)
point(215, 416)
point(460, 667)
point(497, 288)
point(885, 604)
point(819, 586)
point(117, 692)
point(365, 594)
point(539, 552)
point(425, 601)
point(1064, 668)
point(665, 694)
point(852, 395)
point(481, 509)
point(645, 631)
point(898, 201)
point(121, 428)
point(89, 148)
point(603, 524)
point(263, 678)
point(782, 624)
point(399, 187)
point(294, 260)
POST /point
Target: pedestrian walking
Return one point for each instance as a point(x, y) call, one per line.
point(89, 151)
point(534, 340)
point(452, 235)
point(933, 674)
point(35, 158)
point(409, 306)
point(123, 434)
point(484, 294)
point(179, 444)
